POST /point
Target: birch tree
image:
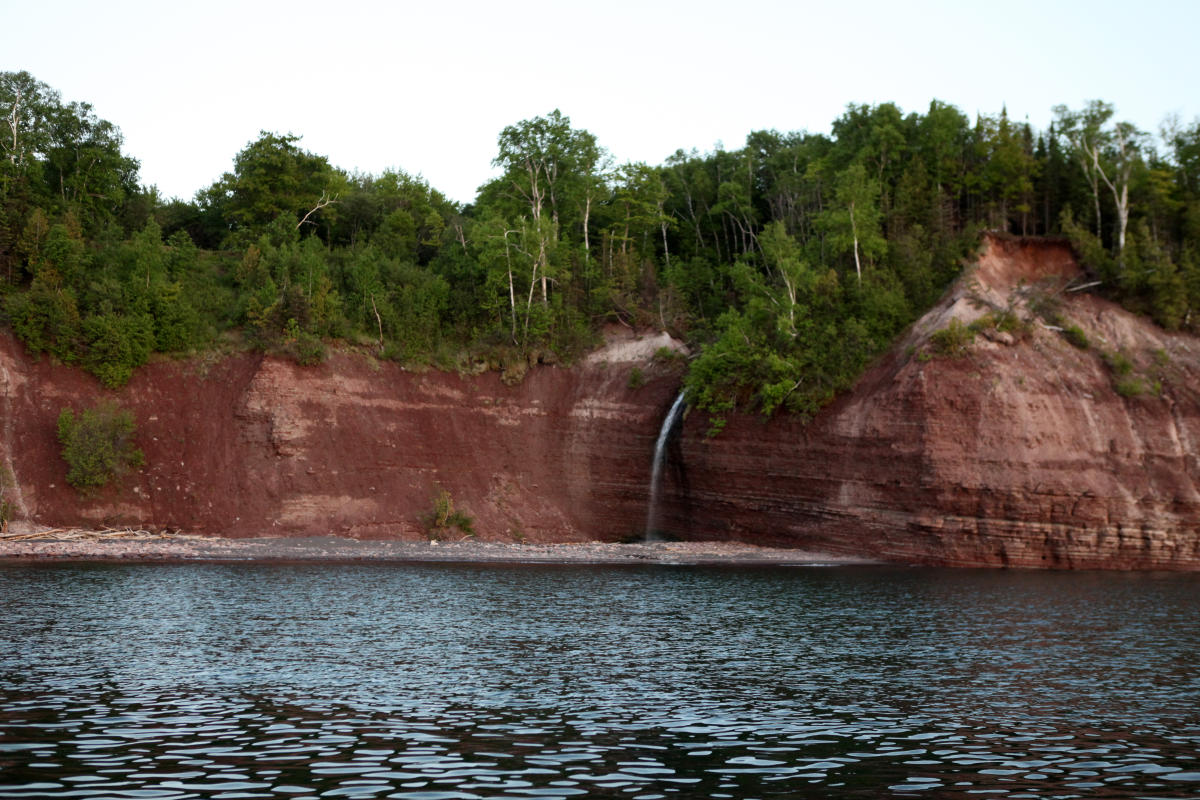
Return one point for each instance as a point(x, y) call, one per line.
point(550, 169)
point(853, 224)
point(1107, 156)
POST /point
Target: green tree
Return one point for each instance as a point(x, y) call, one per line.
point(853, 222)
point(273, 178)
point(1107, 155)
point(549, 175)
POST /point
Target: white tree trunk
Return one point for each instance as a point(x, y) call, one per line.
point(854, 234)
point(14, 122)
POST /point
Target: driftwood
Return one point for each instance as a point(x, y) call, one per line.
point(81, 534)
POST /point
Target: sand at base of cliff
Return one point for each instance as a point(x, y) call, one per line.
point(330, 548)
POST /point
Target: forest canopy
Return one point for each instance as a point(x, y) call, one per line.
point(789, 263)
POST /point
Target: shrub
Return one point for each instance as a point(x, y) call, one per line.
point(116, 345)
point(1009, 322)
point(1075, 335)
point(1119, 363)
point(308, 350)
point(1005, 321)
point(98, 445)
point(637, 378)
point(1130, 386)
point(445, 517)
point(952, 340)
point(666, 354)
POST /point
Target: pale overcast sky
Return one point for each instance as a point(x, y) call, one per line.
point(428, 86)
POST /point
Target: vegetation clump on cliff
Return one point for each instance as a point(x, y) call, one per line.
point(98, 445)
point(789, 262)
point(445, 518)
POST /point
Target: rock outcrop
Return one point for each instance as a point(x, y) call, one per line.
point(1024, 451)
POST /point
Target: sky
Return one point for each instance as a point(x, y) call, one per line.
point(427, 86)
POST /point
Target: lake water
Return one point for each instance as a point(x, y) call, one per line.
point(464, 681)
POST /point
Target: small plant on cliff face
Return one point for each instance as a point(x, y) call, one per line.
point(444, 518)
point(1130, 386)
point(1075, 335)
point(637, 378)
point(1004, 320)
point(716, 424)
point(1119, 363)
point(952, 341)
point(667, 355)
point(98, 445)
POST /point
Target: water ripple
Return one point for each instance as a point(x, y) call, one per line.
point(241, 681)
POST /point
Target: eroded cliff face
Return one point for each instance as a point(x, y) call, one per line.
point(1019, 453)
point(250, 446)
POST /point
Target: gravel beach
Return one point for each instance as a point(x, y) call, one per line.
point(155, 548)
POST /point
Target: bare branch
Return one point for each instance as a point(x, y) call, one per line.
point(324, 201)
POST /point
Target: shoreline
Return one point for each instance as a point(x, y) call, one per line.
point(186, 548)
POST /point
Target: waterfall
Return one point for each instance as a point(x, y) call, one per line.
point(660, 457)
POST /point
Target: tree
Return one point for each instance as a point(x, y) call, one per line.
point(60, 157)
point(853, 222)
point(85, 166)
point(26, 107)
point(1008, 174)
point(550, 171)
point(272, 178)
point(783, 255)
point(1106, 156)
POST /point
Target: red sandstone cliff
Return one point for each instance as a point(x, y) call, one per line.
point(1020, 453)
point(249, 446)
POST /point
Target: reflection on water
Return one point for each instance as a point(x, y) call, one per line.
point(371, 681)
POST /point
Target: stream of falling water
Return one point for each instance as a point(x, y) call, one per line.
point(660, 457)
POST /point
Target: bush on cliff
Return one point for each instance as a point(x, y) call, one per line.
point(445, 517)
point(98, 445)
point(952, 341)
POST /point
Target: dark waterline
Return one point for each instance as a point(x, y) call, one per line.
point(465, 681)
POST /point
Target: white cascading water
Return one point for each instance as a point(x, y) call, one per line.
point(660, 457)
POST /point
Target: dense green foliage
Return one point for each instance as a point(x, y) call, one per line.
point(790, 262)
point(98, 445)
